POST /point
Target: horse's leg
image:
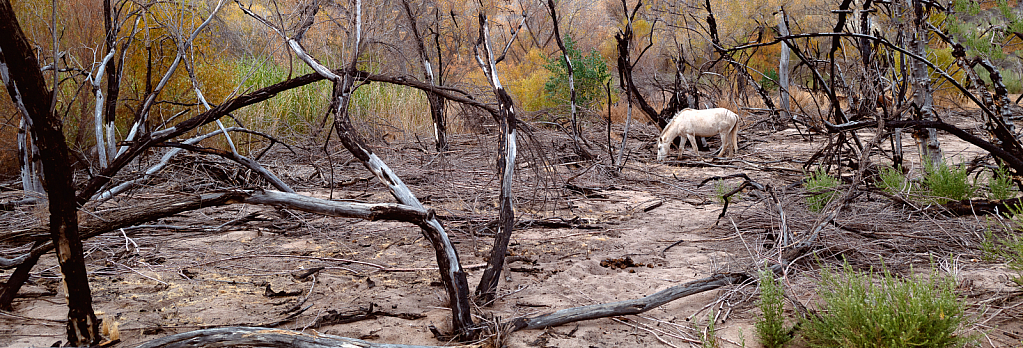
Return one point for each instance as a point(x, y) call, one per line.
point(724, 144)
point(696, 147)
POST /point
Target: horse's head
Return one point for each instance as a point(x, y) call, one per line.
point(663, 145)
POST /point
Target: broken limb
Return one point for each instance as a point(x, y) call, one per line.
point(244, 161)
point(747, 182)
point(634, 306)
point(266, 337)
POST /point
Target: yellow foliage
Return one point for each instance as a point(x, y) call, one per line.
point(525, 82)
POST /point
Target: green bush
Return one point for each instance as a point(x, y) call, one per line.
point(893, 181)
point(721, 188)
point(859, 311)
point(947, 183)
point(1000, 186)
point(590, 73)
point(821, 187)
point(771, 326)
point(770, 80)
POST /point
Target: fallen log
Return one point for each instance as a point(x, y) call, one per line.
point(634, 306)
point(266, 337)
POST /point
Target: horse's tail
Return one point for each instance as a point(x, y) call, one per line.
point(734, 134)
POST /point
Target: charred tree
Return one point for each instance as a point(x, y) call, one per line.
point(926, 138)
point(27, 88)
point(487, 288)
point(624, 39)
point(783, 65)
point(739, 67)
point(436, 102)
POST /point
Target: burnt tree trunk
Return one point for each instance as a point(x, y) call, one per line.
point(926, 138)
point(739, 67)
point(624, 39)
point(487, 288)
point(27, 89)
point(436, 102)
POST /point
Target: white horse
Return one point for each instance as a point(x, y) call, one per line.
point(691, 123)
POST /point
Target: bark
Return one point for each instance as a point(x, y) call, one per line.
point(94, 80)
point(266, 337)
point(28, 161)
point(873, 89)
point(926, 138)
point(1004, 135)
point(627, 307)
point(27, 89)
point(487, 288)
point(113, 72)
point(783, 65)
point(836, 43)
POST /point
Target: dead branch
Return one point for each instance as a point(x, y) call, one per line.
point(627, 307)
point(1015, 162)
point(265, 337)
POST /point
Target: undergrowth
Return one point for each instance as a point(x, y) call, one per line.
point(861, 311)
point(1008, 248)
point(947, 183)
point(770, 327)
point(821, 187)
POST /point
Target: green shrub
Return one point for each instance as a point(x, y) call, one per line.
point(770, 80)
point(947, 183)
point(1000, 186)
point(859, 311)
point(590, 72)
point(893, 181)
point(821, 187)
point(771, 326)
point(721, 188)
point(709, 340)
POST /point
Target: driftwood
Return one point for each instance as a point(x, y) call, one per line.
point(627, 307)
point(265, 337)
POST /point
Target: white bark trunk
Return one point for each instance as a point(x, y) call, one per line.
point(783, 66)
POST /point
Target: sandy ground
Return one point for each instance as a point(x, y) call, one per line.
point(160, 281)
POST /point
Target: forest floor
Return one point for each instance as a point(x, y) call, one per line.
point(236, 265)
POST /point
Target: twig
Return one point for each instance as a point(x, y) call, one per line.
point(652, 332)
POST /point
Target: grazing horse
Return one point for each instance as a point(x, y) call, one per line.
point(690, 124)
